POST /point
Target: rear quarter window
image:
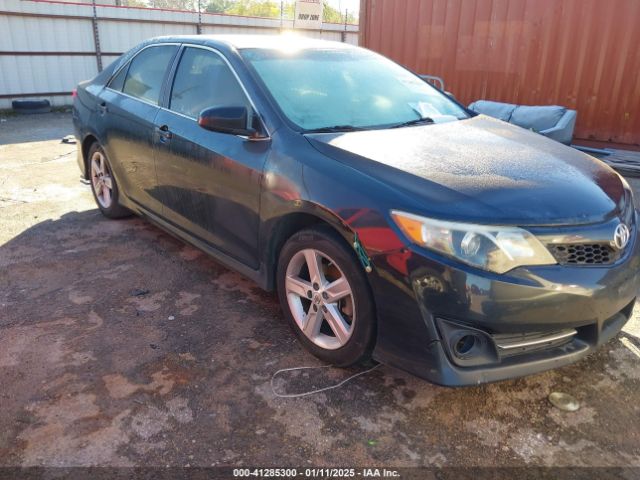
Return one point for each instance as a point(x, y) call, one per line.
point(117, 82)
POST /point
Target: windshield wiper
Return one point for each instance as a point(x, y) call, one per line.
point(413, 122)
point(334, 128)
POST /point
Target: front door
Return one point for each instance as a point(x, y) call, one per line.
point(209, 182)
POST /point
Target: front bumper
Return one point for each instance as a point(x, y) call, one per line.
point(424, 302)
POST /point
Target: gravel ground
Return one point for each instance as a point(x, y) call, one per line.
point(122, 346)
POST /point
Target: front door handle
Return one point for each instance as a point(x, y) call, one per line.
point(164, 133)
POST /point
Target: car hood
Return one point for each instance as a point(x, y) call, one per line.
point(481, 170)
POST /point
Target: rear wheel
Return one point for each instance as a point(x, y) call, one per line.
point(325, 296)
point(103, 184)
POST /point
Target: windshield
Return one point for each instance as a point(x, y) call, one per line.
point(325, 88)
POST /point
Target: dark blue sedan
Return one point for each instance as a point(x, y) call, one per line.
point(394, 223)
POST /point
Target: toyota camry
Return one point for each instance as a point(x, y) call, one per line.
point(394, 224)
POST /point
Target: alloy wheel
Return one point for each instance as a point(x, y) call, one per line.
point(320, 298)
point(101, 179)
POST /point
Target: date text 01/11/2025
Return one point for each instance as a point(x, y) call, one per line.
point(315, 473)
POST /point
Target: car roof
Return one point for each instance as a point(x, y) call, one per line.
point(272, 42)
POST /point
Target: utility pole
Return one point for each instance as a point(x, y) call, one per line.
point(96, 36)
point(344, 32)
point(281, 15)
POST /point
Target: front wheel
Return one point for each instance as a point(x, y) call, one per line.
point(103, 184)
point(326, 298)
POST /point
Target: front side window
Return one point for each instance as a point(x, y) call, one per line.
point(204, 80)
point(321, 88)
point(146, 73)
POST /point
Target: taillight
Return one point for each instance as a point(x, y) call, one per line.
point(74, 93)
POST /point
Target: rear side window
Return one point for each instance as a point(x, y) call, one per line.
point(203, 80)
point(117, 82)
point(146, 73)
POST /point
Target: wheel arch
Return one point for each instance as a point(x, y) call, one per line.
point(285, 226)
point(87, 141)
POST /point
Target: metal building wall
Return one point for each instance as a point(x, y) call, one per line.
point(47, 47)
point(583, 54)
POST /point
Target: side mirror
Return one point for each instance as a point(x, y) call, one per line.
point(449, 94)
point(231, 120)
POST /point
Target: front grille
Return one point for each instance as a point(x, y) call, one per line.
point(584, 254)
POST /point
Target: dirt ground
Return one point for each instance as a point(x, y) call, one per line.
point(121, 346)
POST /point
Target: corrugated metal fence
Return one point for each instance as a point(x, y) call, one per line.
point(583, 54)
point(46, 48)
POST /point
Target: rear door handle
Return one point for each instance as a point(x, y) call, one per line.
point(164, 133)
point(102, 108)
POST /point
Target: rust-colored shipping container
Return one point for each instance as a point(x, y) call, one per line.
point(582, 54)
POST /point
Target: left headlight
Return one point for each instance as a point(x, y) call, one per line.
point(498, 249)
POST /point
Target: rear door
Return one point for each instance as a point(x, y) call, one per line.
point(127, 109)
point(209, 182)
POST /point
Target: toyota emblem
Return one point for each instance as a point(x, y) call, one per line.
point(621, 236)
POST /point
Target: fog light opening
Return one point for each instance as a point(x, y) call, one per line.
point(465, 345)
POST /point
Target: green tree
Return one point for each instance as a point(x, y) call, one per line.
point(267, 8)
point(332, 15)
point(256, 8)
point(218, 6)
point(252, 8)
point(133, 3)
point(174, 4)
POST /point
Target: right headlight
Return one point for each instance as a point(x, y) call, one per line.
point(497, 249)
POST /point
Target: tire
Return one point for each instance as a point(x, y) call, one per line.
point(31, 106)
point(101, 177)
point(352, 315)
